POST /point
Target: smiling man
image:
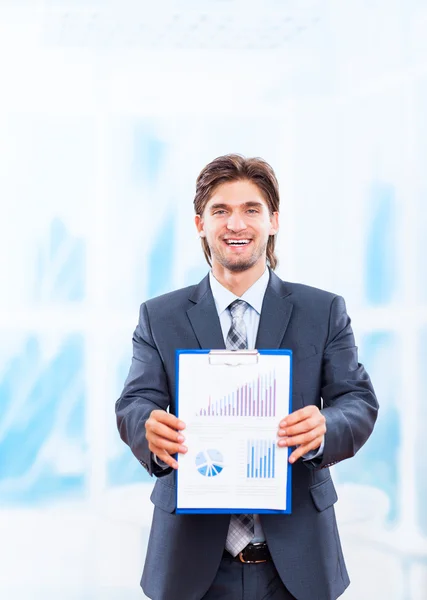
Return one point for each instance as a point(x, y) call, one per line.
point(240, 304)
point(237, 224)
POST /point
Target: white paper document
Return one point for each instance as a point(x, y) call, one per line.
point(232, 404)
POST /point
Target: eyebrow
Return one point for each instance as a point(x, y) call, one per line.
point(250, 204)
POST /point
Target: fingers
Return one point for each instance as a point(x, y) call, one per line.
point(303, 450)
point(157, 429)
point(163, 438)
point(165, 457)
point(167, 418)
point(305, 428)
point(302, 421)
point(300, 415)
point(304, 438)
point(163, 424)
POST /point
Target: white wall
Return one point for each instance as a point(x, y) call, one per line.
point(108, 111)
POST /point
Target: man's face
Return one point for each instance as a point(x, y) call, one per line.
point(237, 224)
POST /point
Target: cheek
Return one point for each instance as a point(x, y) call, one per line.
point(210, 238)
point(213, 232)
point(263, 231)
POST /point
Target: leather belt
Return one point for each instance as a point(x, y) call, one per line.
point(252, 554)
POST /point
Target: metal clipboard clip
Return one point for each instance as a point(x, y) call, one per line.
point(233, 358)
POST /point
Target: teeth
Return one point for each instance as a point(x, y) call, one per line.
point(237, 242)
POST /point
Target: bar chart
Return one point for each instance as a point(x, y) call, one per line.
point(256, 398)
point(261, 459)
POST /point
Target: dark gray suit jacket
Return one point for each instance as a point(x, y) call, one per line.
point(184, 551)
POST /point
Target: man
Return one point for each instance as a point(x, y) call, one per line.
point(211, 557)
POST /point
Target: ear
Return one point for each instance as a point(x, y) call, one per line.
point(274, 223)
point(199, 225)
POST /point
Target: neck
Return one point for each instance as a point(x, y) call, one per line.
point(238, 282)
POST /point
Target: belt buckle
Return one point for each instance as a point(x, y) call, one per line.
point(251, 562)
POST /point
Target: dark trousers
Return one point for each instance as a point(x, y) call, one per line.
point(237, 581)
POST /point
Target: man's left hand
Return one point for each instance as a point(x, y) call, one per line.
point(304, 428)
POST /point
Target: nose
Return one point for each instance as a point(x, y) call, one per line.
point(236, 222)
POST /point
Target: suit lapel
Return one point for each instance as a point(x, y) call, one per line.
point(275, 314)
point(204, 318)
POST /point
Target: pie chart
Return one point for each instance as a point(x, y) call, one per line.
point(209, 463)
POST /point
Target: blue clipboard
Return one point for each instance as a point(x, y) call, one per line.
point(234, 359)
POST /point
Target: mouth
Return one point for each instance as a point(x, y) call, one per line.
point(237, 243)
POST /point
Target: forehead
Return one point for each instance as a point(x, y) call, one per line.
point(234, 193)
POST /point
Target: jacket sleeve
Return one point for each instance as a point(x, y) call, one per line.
point(145, 389)
point(349, 402)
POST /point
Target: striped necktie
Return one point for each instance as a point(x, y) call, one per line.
point(241, 529)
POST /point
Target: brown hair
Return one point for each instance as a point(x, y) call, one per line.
point(234, 167)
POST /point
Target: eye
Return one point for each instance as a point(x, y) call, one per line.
point(253, 211)
point(219, 212)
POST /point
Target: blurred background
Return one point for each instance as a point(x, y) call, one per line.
point(108, 111)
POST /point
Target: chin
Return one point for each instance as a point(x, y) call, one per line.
point(238, 266)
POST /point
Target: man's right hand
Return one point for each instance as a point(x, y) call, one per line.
point(163, 433)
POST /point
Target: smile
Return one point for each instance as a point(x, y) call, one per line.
point(231, 242)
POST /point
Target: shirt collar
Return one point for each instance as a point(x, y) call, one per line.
point(254, 296)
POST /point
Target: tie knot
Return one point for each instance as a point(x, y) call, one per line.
point(238, 309)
